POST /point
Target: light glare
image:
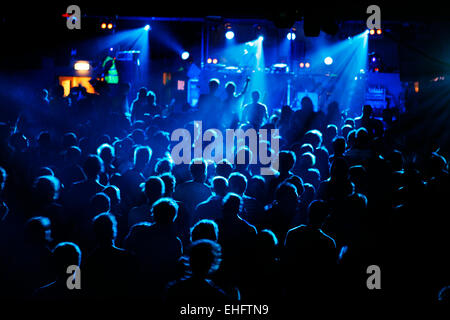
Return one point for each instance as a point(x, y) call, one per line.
point(229, 35)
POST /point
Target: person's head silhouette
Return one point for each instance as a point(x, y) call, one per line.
point(213, 85)
point(204, 258)
point(142, 156)
point(367, 111)
point(197, 167)
point(286, 195)
point(93, 166)
point(230, 88)
point(105, 228)
point(165, 211)
point(318, 211)
point(205, 229)
point(154, 189)
point(169, 183)
point(220, 186)
point(38, 230)
point(307, 104)
point(339, 146)
point(65, 254)
point(255, 96)
point(237, 183)
point(106, 153)
point(99, 203)
point(231, 205)
point(46, 188)
point(287, 161)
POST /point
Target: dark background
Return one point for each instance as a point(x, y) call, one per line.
point(31, 31)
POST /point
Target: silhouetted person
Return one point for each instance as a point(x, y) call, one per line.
point(255, 113)
point(106, 153)
point(266, 281)
point(132, 178)
point(205, 229)
point(65, 254)
point(309, 258)
point(108, 271)
point(140, 105)
point(251, 208)
point(212, 207)
point(82, 191)
point(237, 238)
point(209, 105)
point(224, 168)
point(367, 121)
point(195, 191)
point(231, 105)
point(338, 148)
point(32, 260)
point(338, 186)
point(153, 190)
point(46, 191)
point(197, 288)
point(361, 152)
point(72, 171)
point(287, 161)
point(280, 214)
point(157, 248)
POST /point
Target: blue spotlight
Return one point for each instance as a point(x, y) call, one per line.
point(328, 61)
point(185, 55)
point(147, 27)
point(229, 34)
point(291, 36)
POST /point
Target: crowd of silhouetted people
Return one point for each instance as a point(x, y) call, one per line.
point(88, 180)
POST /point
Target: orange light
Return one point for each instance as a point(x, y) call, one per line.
point(376, 69)
point(307, 65)
point(103, 26)
point(416, 86)
point(302, 64)
point(372, 32)
point(110, 25)
point(379, 31)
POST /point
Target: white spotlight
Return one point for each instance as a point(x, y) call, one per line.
point(328, 61)
point(185, 55)
point(291, 36)
point(229, 34)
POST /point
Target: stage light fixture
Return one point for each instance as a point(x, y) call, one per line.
point(214, 61)
point(291, 36)
point(307, 65)
point(103, 25)
point(110, 26)
point(229, 34)
point(81, 66)
point(379, 31)
point(372, 32)
point(185, 55)
point(328, 61)
point(302, 65)
point(209, 60)
point(147, 27)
